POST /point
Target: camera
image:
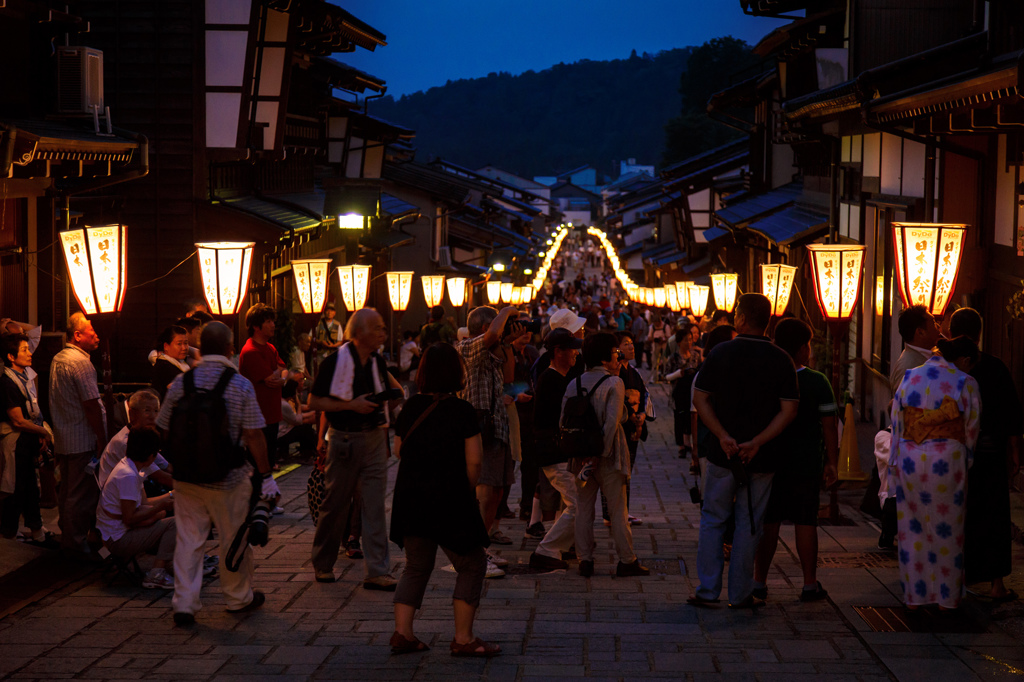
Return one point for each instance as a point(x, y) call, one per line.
point(379, 399)
point(259, 524)
point(620, 356)
point(533, 326)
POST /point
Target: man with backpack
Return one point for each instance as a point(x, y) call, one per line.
point(214, 437)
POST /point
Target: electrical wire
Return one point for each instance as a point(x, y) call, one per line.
point(156, 279)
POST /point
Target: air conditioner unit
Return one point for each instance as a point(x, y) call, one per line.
point(444, 256)
point(79, 80)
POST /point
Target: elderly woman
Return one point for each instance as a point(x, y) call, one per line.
point(935, 417)
point(437, 440)
point(169, 361)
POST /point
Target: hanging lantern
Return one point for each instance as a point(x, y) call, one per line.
point(506, 292)
point(672, 297)
point(355, 280)
point(494, 292)
point(836, 269)
point(724, 287)
point(224, 267)
point(659, 297)
point(457, 291)
point(682, 294)
point(879, 295)
point(927, 263)
point(527, 293)
point(698, 295)
point(648, 296)
point(433, 289)
point(95, 257)
point(399, 289)
point(311, 281)
point(777, 284)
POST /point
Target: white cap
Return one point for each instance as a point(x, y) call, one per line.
point(567, 319)
point(463, 333)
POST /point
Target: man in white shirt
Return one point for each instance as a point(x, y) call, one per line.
point(920, 333)
point(143, 407)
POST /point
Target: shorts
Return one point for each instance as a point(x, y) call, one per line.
point(794, 499)
point(497, 468)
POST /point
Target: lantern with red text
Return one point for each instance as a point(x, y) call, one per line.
point(95, 257)
point(927, 263)
point(723, 285)
point(399, 289)
point(777, 284)
point(311, 282)
point(698, 295)
point(433, 289)
point(836, 269)
point(355, 280)
point(224, 267)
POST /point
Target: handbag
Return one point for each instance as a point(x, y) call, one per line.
point(316, 487)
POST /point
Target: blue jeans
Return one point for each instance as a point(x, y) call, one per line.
point(724, 498)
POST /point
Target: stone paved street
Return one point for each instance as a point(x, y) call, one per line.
point(552, 627)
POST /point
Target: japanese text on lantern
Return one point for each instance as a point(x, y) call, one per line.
point(78, 269)
point(922, 264)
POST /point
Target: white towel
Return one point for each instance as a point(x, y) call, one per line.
point(344, 373)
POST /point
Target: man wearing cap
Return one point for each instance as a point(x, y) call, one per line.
point(563, 350)
point(563, 319)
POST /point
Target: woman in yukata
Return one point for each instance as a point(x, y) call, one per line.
point(935, 416)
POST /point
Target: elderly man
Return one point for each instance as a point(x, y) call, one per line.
point(573, 323)
point(224, 502)
point(143, 408)
point(79, 425)
point(350, 388)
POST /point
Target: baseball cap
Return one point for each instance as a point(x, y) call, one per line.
point(561, 338)
point(567, 319)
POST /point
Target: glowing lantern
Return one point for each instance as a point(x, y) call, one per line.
point(927, 263)
point(659, 297)
point(698, 295)
point(399, 290)
point(879, 295)
point(224, 267)
point(506, 292)
point(355, 280)
point(682, 295)
point(724, 287)
point(350, 221)
point(836, 269)
point(777, 284)
point(648, 296)
point(311, 282)
point(457, 291)
point(494, 292)
point(673, 297)
point(527, 293)
point(95, 257)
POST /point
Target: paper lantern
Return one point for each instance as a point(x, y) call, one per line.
point(355, 280)
point(506, 292)
point(927, 263)
point(528, 293)
point(648, 296)
point(724, 287)
point(836, 269)
point(433, 289)
point(457, 291)
point(777, 284)
point(95, 257)
point(312, 277)
point(494, 292)
point(659, 297)
point(224, 267)
point(698, 295)
point(672, 297)
point(682, 294)
point(399, 289)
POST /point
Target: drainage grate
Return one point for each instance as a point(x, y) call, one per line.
point(862, 560)
point(888, 619)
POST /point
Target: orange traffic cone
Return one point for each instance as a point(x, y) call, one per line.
point(849, 454)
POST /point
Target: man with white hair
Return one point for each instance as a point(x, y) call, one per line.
point(143, 408)
point(568, 320)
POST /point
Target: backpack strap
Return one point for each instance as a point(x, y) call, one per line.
point(430, 408)
point(223, 381)
point(189, 382)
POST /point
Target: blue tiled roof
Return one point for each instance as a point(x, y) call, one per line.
point(673, 256)
point(760, 204)
point(659, 250)
point(395, 207)
point(789, 224)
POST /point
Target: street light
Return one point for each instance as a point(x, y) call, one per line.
point(777, 284)
point(433, 289)
point(457, 291)
point(494, 292)
point(355, 279)
point(698, 294)
point(95, 257)
point(927, 263)
point(224, 267)
point(311, 281)
point(724, 287)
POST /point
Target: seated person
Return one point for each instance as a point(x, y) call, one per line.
point(296, 425)
point(130, 523)
point(143, 407)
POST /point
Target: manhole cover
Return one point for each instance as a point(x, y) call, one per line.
point(862, 560)
point(888, 619)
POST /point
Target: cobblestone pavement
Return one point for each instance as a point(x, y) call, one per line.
point(555, 626)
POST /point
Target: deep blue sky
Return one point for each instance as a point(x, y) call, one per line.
point(432, 41)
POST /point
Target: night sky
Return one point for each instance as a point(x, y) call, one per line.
point(432, 41)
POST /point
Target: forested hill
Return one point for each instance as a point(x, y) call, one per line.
point(543, 123)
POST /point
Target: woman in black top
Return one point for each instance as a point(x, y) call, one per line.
point(172, 350)
point(437, 439)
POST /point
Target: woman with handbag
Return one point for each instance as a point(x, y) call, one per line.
point(437, 440)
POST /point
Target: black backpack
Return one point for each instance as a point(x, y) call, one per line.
point(580, 434)
point(199, 444)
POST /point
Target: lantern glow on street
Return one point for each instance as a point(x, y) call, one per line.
point(224, 267)
point(433, 289)
point(698, 295)
point(506, 292)
point(355, 280)
point(311, 281)
point(457, 291)
point(494, 292)
point(927, 263)
point(723, 285)
point(836, 269)
point(399, 290)
point(95, 257)
point(777, 284)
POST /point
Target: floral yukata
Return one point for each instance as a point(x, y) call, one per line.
point(935, 417)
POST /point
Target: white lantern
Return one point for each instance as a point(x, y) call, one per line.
point(95, 257)
point(399, 289)
point(433, 289)
point(457, 291)
point(224, 267)
point(311, 282)
point(355, 280)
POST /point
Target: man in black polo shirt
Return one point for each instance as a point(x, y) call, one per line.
point(746, 393)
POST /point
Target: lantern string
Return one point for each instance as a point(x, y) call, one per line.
point(155, 279)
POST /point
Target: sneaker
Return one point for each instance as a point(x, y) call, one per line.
point(353, 551)
point(634, 521)
point(498, 561)
point(818, 593)
point(633, 570)
point(494, 571)
point(277, 511)
point(382, 583)
point(499, 538)
point(325, 577)
point(535, 531)
point(586, 568)
point(158, 579)
point(258, 600)
point(540, 562)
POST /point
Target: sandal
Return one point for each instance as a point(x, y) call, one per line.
point(401, 645)
point(475, 649)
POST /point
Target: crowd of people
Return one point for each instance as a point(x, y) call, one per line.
point(556, 388)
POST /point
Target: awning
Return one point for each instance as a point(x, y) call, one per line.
point(760, 205)
point(396, 208)
point(712, 234)
point(698, 266)
point(339, 75)
point(379, 240)
point(285, 217)
point(790, 225)
point(252, 218)
point(657, 251)
point(673, 256)
point(829, 102)
point(631, 249)
point(310, 203)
